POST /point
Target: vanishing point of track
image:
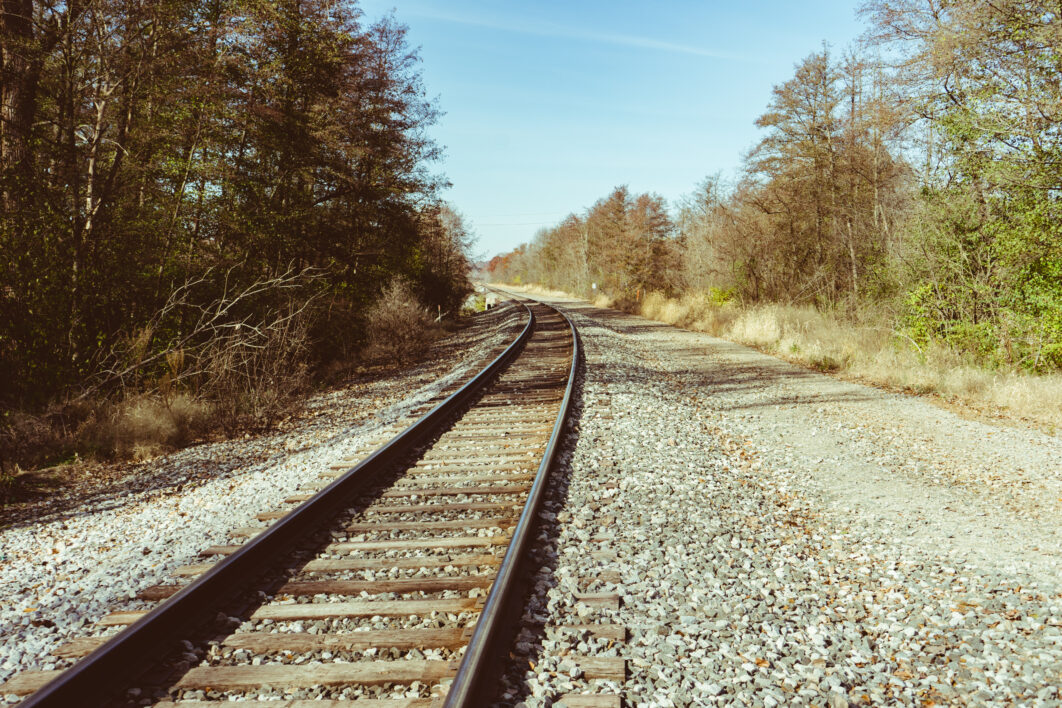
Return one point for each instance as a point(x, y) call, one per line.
point(415, 550)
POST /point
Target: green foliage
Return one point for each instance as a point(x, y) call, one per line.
point(982, 255)
point(720, 296)
point(917, 318)
point(985, 278)
point(475, 303)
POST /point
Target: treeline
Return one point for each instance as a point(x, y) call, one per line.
point(918, 176)
point(187, 185)
point(621, 245)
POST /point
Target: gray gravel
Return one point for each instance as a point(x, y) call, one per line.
point(60, 574)
point(782, 537)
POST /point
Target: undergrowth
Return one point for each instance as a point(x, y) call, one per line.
point(231, 385)
point(866, 348)
point(400, 328)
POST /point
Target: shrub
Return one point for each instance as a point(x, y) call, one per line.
point(400, 328)
point(251, 376)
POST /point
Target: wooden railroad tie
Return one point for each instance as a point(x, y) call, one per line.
point(325, 610)
point(376, 546)
point(354, 587)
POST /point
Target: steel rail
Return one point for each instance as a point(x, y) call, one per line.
point(112, 667)
point(477, 676)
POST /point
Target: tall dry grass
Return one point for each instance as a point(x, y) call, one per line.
point(134, 428)
point(144, 427)
point(869, 350)
point(532, 289)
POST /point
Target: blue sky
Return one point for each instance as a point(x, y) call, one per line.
point(549, 105)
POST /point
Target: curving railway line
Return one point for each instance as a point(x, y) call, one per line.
point(397, 583)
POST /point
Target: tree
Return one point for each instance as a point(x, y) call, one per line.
point(986, 262)
point(143, 145)
point(820, 181)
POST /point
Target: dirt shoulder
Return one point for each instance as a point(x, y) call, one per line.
point(878, 461)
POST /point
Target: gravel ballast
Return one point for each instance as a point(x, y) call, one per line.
point(61, 571)
point(775, 536)
point(785, 538)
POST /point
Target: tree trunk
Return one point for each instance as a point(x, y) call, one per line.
point(852, 260)
point(19, 78)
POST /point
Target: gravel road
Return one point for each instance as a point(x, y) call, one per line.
point(65, 563)
point(785, 538)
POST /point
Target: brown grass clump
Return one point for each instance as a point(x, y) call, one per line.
point(697, 311)
point(144, 427)
point(137, 428)
point(400, 328)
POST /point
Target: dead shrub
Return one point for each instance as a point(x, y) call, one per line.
point(251, 374)
point(399, 327)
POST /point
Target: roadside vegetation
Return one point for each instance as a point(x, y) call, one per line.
point(900, 220)
point(205, 210)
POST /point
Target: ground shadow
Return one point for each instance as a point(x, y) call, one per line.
point(736, 377)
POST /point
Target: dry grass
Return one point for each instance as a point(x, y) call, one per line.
point(136, 428)
point(602, 300)
point(144, 427)
point(534, 290)
point(694, 311)
point(242, 380)
point(869, 351)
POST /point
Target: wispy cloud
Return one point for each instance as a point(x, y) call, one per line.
point(540, 29)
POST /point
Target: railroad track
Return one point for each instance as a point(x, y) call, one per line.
point(398, 583)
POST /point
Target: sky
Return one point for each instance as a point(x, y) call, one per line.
point(550, 105)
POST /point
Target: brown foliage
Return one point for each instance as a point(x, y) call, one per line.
point(400, 328)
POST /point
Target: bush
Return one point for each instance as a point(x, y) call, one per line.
point(399, 327)
point(251, 377)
